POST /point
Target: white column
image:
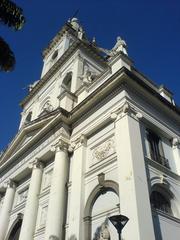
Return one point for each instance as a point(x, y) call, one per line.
point(56, 208)
point(6, 208)
point(176, 153)
point(77, 190)
point(133, 186)
point(31, 208)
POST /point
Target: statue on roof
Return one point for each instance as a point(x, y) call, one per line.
point(76, 26)
point(120, 46)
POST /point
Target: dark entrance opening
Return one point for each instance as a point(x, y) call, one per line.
point(16, 231)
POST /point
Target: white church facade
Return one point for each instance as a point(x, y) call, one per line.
point(96, 139)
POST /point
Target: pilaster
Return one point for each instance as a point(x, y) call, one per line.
point(77, 190)
point(132, 175)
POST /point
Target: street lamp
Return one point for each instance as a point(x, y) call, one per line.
point(119, 221)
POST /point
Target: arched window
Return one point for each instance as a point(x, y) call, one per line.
point(104, 205)
point(160, 202)
point(67, 81)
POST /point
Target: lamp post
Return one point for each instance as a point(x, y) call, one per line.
point(119, 221)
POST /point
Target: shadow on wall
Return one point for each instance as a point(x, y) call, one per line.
point(73, 237)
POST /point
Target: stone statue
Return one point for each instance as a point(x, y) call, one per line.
point(104, 233)
point(75, 24)
point(87, 77)
point(120, 46)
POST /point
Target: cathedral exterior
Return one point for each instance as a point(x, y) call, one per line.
point(96, 139)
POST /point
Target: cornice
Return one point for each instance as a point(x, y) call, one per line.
point(152, 88)
point(125, 76)
point(122, 77)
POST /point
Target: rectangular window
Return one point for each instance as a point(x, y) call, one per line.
point(155, 149)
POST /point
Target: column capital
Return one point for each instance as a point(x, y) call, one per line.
point(10, 184)
point(61, 145)
point(36, 164)
point(80, 141)
point(126, 109)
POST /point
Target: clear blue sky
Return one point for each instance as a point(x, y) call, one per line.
point(150, 28)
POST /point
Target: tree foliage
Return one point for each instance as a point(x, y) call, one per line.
point(12, 16)
point(7, 59)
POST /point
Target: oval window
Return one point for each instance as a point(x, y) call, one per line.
point(55, 54)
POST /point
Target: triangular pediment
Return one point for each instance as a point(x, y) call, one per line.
point(24, 136)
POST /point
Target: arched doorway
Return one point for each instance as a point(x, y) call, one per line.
point(102, 203)
point(15, 232)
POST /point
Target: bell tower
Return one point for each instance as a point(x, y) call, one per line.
point(71, 63)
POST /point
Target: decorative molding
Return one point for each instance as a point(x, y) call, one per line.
point(126, 109)
point(103, 150)
point(80, 141)
point(163, 179)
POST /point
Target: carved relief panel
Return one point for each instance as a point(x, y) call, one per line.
point(103, 150)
